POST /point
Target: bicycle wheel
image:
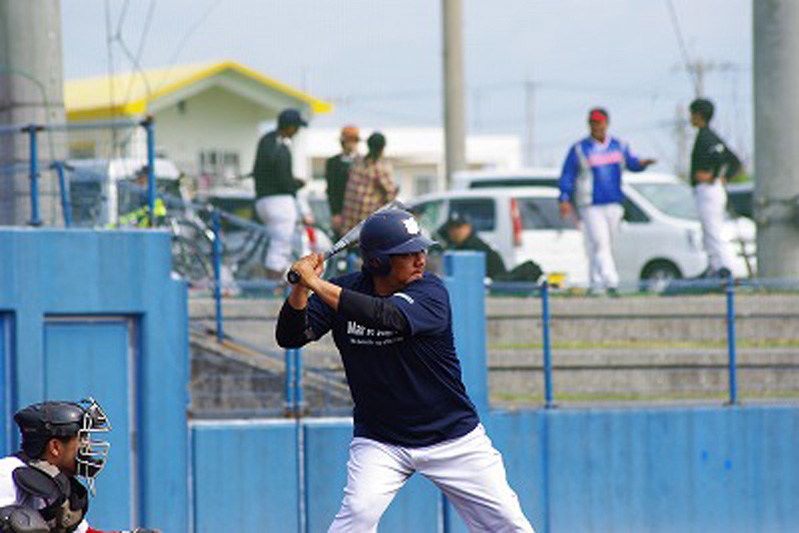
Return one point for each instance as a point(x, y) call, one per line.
point(189, 261)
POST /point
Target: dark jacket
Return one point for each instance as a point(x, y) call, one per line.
point(272, 168)
point(337, 170)
point(495, 266)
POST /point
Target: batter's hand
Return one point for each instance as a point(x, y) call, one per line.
point(647, 162)
point(309, 268)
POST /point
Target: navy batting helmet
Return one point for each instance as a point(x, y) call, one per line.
point(387, 233)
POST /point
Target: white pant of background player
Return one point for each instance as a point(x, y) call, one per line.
point(279, 214)
point(711, 203)
point(468, 470)
point(600, 227)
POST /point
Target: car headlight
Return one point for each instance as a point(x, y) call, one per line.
point(694, 239)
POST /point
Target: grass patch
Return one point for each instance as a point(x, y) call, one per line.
point(741, 343)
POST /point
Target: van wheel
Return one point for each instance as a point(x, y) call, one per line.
point(657, 275)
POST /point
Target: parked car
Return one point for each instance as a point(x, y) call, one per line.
point(101, 190)
point(660, 237)
point(739, 199)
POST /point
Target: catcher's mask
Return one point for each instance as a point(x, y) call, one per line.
point(86, 420)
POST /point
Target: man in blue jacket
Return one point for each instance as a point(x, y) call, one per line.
point(591, 183)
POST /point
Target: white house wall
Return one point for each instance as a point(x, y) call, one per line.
point(215, 119)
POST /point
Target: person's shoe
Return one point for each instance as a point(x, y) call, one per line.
point(613, 292)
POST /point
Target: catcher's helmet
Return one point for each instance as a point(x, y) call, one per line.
point(40, 422)
point(388, 233)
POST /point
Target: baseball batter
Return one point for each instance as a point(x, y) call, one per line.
point(392, 324)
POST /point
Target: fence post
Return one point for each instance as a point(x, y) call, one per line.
point(32, 130)
point(547, 345)
point(220, 327)
point(731, 339)
point(62, 185)
point(149, 127)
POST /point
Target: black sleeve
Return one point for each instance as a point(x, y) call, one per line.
point(373, 310)
point(732, 165)
point(293, 330)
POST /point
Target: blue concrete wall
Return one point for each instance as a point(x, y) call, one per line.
point(60, 277)
point(702, 470)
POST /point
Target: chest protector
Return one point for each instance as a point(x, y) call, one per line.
point(66, 499)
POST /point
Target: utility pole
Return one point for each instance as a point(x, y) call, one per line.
point(529, 105)
point(454, 109)
point(31, 92)
point(776, 76)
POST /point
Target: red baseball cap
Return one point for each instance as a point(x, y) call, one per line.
point(598, 114)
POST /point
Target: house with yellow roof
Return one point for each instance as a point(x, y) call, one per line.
point(207, 116)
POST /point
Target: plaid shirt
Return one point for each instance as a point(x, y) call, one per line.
point(369, 187)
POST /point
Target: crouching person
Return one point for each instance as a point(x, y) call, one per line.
point(40, 485)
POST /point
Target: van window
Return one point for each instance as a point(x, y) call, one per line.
point(479, 210)
point(520, 181)
point(429, 215)
point(542, 213)
point(633, 213)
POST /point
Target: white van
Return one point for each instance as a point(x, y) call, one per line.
point(521, 223)
point(660, 237)
point(100, 190)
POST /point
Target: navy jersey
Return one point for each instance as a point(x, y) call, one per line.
point(407, 388)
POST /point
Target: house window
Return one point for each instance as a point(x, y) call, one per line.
point(423, 184)
point(219, 165)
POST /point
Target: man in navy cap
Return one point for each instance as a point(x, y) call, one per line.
point(276, 191)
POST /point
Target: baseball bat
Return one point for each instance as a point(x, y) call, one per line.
point(351, 238)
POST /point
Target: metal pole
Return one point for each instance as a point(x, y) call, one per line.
point(62, 185)
point(220, 327)
point(32, 130)
point(289, 384)
point(299, 440)
point(547, 346)
point(731, 339)
point(775, 77)
point(454, 106)
point(149, 126)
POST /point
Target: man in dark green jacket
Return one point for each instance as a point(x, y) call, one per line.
point(276, 191)
point(458, 234)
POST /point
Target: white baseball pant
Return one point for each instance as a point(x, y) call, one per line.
point(468, 470)
point(600, 224)
point(279, 215)
point(711, 202)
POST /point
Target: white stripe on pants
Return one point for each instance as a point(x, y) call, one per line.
point(711, 202)
point(279, 215)
point(600, 225)
point(469, 470)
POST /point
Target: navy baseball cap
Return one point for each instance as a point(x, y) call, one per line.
point(290, 117)
point(457, 219)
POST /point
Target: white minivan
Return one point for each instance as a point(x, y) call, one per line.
point(521, 223)
point(660, 237)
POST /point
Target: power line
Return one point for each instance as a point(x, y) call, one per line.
point(683, 49)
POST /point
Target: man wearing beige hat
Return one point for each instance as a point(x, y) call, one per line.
point(337, 171)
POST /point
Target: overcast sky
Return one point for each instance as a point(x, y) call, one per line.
point(379, 61)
